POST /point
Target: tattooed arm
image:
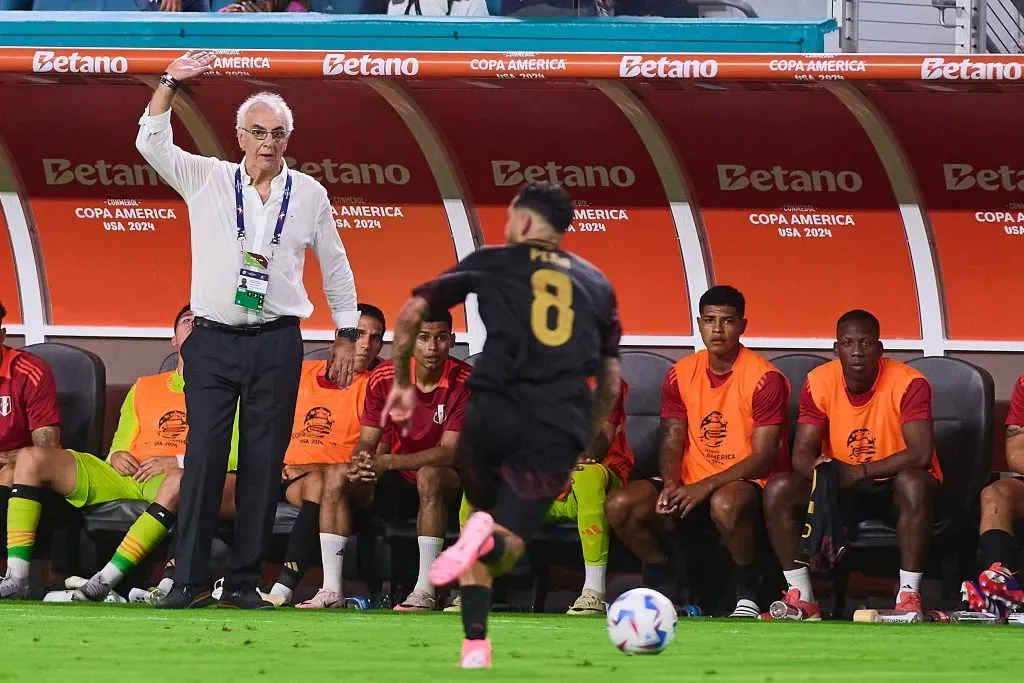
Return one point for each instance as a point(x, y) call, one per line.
point(1015, 448)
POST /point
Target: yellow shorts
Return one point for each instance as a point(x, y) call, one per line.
point(96, 482)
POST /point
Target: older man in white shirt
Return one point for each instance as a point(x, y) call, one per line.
point(251, 223)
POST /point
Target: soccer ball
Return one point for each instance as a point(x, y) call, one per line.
point(641, 622)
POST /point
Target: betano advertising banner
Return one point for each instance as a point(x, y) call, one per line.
point(576, 137)
point(385, 202)
point(968, 162)
point(797, 209)
point(523, 65)
point(114, 237)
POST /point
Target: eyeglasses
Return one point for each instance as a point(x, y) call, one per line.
point(260, 134)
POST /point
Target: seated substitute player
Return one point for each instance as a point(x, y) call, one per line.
point(873, 416)
point(29, 410)
point(604, 466)
point(552, 323)
point(723, 417)
point(325, 431)
point(1002, 504)
point(417, 478)
point(144, 464)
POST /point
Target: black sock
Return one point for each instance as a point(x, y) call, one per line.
point(997, 546)
point(5, 495)
point(303, 544)
point(496, 553)
point(476, 602)
point(746, 582)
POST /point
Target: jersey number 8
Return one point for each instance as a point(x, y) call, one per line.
point(551, 315)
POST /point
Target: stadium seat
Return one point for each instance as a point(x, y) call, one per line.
point(170, 362)
point(796, 366)
point(963, 404)
point(320, 353)
point(81, 381)
point(645, 372)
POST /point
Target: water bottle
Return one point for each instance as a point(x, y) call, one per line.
point(358, 602)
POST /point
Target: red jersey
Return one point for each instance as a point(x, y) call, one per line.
point(439, 411)
point(1016, 416)
point(28, 398)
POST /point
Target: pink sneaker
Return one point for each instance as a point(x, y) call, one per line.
point(474, 542)
point(476, 654)
point(324, 599)
point(418, 601)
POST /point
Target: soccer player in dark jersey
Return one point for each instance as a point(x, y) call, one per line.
point(552, 322)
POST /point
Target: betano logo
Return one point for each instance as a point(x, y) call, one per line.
point(340, 64)
point(733, 177)
point(635, 66)
point(933, 68)
point(964, 177)
point(45, 61)
point(101, 172)
point(511, 173)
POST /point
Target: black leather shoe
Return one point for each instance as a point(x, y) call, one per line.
point(185, 597)
point(243, 598)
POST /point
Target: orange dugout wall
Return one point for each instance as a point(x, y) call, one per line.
point(814, 184)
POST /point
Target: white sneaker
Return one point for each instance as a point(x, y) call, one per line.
point(151, 596)
point(218, 589)
point(746, 609)
point(275, 600)
point(418, 601)
point(456, 605)
point(12, 588)
point(59, 596)
point(589, 602)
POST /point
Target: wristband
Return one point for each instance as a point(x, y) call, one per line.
point(169, 81)
point(350, 333)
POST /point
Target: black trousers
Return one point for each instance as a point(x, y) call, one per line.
point(260, 374)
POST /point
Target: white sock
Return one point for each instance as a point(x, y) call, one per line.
point(166, 585)
point(282, 590)
point(430, 548)
point(17, 567)
point(801, 580)
point(595, 577)
point(910, 581)
point(110, 575)
point(332, 552)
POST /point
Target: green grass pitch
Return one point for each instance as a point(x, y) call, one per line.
point(44, 642)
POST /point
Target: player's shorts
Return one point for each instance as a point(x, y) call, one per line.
point(512, 465)
point(395, 498)
point(872, 499)
point(286, 484)
point(659, 484)
point(96, 481)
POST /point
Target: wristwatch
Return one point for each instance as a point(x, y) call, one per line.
point(350, 333)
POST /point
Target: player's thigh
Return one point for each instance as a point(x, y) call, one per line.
point(734, 501)
point(55, 466)
point(97, 482)
point(492, 430)
point(635, 500)
point(293, 490)
point(533, 477)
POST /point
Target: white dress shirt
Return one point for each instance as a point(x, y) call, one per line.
point(207, 185)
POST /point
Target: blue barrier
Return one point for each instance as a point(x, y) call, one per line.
point(377, 32)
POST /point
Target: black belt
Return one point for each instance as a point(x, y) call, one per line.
point(248, 330)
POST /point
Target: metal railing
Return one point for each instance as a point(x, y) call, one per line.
point(962, 26)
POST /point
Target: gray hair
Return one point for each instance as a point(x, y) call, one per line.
point(272, 100)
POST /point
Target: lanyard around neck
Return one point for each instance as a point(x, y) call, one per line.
point(240, 214)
